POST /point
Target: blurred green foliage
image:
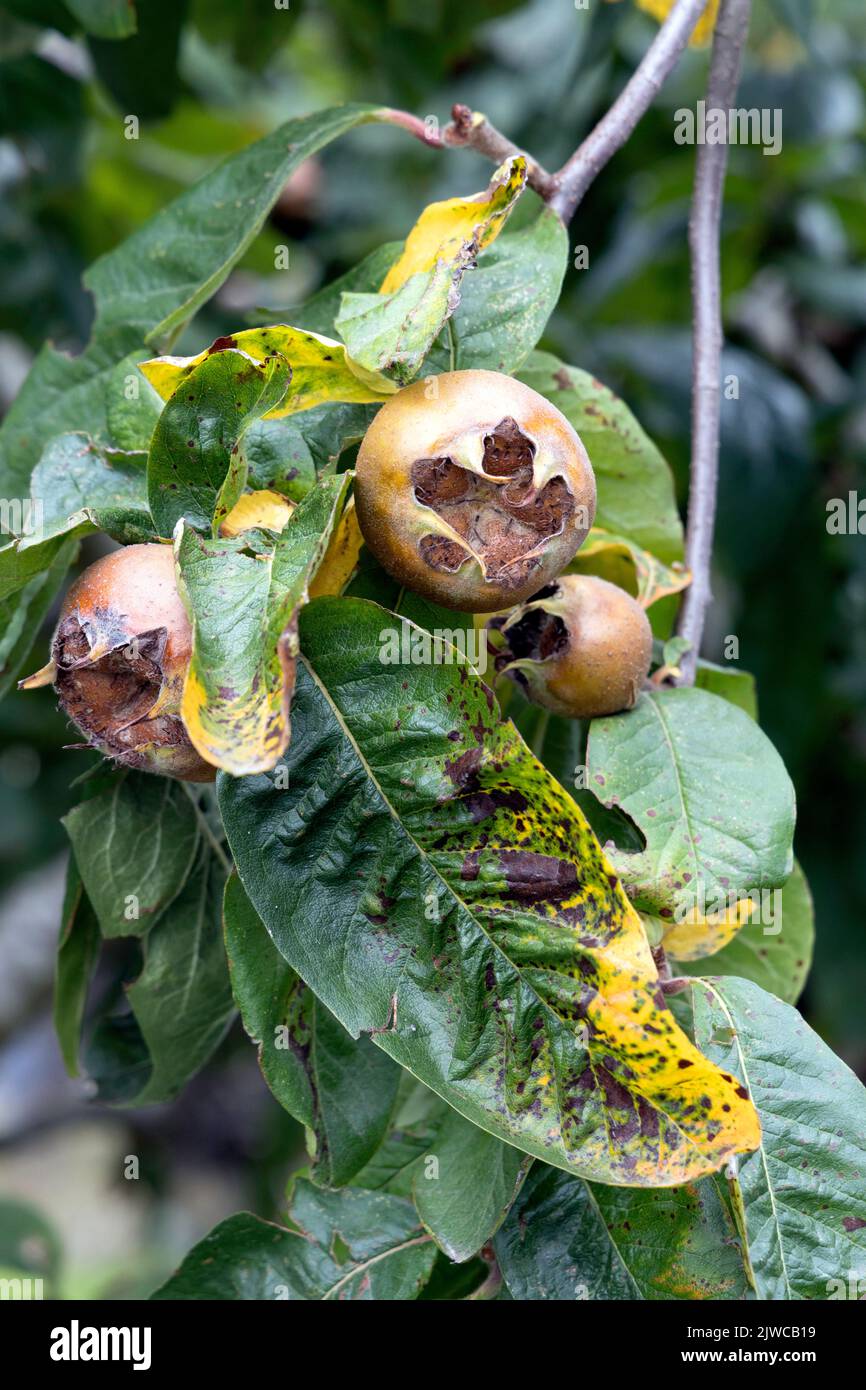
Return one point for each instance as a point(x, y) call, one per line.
point(205, 78)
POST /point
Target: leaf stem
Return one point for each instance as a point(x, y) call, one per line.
point(704, 233)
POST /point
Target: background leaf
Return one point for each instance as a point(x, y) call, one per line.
point(346, 1245)
point(341, 1088)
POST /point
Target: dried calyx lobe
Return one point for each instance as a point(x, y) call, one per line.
point(503, 522)
point(534, 637)
point(110, 698)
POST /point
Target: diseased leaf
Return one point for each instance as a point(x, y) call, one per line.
point(135, 845)
point(707, 790)
point(197, 468)
point(697, 936)
point(342, 1089)
point(321, 369)
point(620, 561)
point(393, 331)
point(243, 606)
point(420, 850)
point(566, 1239)
point(774, 954)
point(803, 1197)
point(635, 487)
point(345, 1245)
point(77, 951)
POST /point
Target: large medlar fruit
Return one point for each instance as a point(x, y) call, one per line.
point(581, 647)
point(119, 657)
point(473, 490)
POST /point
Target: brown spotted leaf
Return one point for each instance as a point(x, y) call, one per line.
point(436, 888)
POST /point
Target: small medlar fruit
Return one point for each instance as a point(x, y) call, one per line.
point(119, 657)
point(473, 490)
point(581, 647)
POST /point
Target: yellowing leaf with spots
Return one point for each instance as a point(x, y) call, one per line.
point(697, 935)
point(392, 331)
point(441, 892)
point(622, 562)
point(243, 594)
point(322, 370)
point(458, 228)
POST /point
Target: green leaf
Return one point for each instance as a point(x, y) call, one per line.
point(340, 1088)
point(802, 1190)
point(635, 487)
point(23, 610)
point(132, 407)
point(730, 683)
point(527, 995)
point(135, 845)
point(196, 468)
point(75, 478)
point(463, 1198)
point(776, 955)
point(77, 952)
point(150, 286)
point(571, 1240)
point(182, 1001)
point(708, 791)
point(243, 605)
point(347, 1245)
point(108, 19)
point(392, 331)
point(507, 300)
point(142, 73)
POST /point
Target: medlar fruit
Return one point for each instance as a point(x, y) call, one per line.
point(581, 647)
point(473, 490)
point(119, 657)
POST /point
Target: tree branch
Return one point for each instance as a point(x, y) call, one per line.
point(564, 190)
point(704, 232)
point(614, 128)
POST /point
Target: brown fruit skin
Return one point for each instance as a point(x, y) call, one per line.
point(604, 656)
point(468, 406)
point(126, 699)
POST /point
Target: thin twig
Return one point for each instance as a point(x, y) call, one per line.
point(564, 190)
point(704, 231)
point(471, 129)
point(617, 124)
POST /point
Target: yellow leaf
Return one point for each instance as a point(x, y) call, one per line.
point(266, 509)
point(697, 936)
point(458, 228)
point(341, 557)
point(703, 32)
point(322, 370)
point(620, 561)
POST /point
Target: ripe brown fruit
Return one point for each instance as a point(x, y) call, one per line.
point(473, 490)
point(119, 659)
point(582, 647)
